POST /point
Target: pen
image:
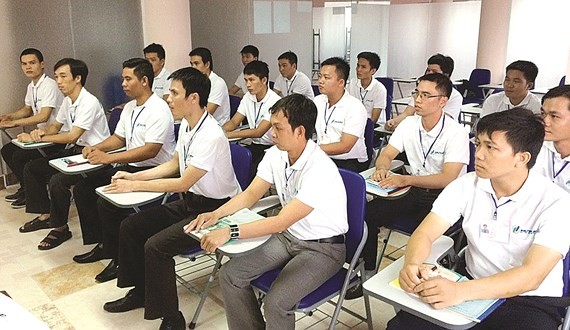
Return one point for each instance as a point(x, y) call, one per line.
point(76, 164)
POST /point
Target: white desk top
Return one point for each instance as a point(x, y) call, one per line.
point(62, 165)
point(379, 287)
point(402, 101)
point(15, 317)
point(381, 129)
point(471, 109)
point(129, 199)
point(491, 86)
point(31, 145)
point(405, 80)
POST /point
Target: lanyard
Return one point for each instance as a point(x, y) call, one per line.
point(286, 181)
point(289, 86)
point(257, 112)
point(325, 116)
point(497, 206)
point(554, 173)
point(362, 97)
point(133, 123)
point(426, 154)
point(186, 150)
point(72, 113)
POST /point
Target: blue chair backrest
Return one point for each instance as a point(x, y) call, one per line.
point(234, 104)
point(479, 77)
point(316, 90)
point(562, 81)
point(356, 206)
point(241, 162)
point(389, 84)
point(271, 84)
point(566, 275)
point(471, 165)
point(369, 138)
point(113, 93)
point(176, 131)
point(114, 117)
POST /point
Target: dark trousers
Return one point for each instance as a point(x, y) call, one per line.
point(350, 164)
point(515, 313)
point(382, 212)
point(148, 242)
point(257, 153)
point(86, 200)
point(16, 158)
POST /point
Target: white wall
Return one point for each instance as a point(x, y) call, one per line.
point(332, 28)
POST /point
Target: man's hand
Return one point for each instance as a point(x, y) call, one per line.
point(393, 181)
point(122, 175)
point(86, 150)
point(120, 186)
point(6, 123)
point(412, 275)
point(439, 292)
point(24, 137)
point(202, 221)
point(212, 240)
point(97, 156)
point(379, 174)
point(37, 134)
point(390, 125)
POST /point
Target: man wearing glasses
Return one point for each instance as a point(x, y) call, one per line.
point(438, 150)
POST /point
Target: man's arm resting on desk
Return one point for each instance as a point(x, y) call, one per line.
point(257, 132)
point(392, 123)
point(233, 123)
point(70, 137)
point(23, 112)
point(113, 142)
point(347, 141)
point(138, 154)
point(29, 118)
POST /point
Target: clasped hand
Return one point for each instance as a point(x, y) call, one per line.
point(212, 240)
point(436, 291)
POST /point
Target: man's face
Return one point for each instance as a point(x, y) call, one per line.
point(132, 86)
point(556, 113)
point(157, 63)
point(283, 137)
point(363, 69)
point(197, 63)
point(65, 81)
point(329, 81)
point(433, 68)
point(494, 156)
point(254, 84)
point(177, 100)
point(246, 58)
point(428, 99)
point(515, 84)
point(287, 69)
point(31, 66)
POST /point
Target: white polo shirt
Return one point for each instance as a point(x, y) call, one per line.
point(500, 102)
point(150, 122)
point(86, 113)
point(550, 163)
point(452, 107)
point(427, 152)
point(299, 84)
point(373, 96)
point(161, 83)
point(42, 95)
point(256, 112)
point(240, 82)
point(536, 214)
point(306, 180)
point(219, 95)
point(206, 147)
point(346, 116)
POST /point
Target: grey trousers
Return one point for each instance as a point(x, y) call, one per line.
point(306, 265)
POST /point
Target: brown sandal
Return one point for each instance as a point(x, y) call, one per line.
point(54, 239)
point(35, 224)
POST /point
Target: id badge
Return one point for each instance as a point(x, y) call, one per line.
point(493, 231)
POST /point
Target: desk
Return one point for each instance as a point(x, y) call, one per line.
point(83, 168)
point(379, 287)
point(396, 165)
point(32, 145)
point(473, 110)
point(488, 89)
point(403, 101)
point(131, 199)
point(15, 317)
point(399, 81)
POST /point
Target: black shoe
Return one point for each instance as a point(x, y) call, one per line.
point(354, 292)
point(109, 273)
point(173, 323)
point(19, 203)
point(95, 254)
point(18, 194)
point(130, 301)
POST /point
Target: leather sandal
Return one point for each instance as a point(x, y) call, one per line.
point(35, 224)
point(54, 239)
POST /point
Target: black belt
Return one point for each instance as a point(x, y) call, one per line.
point(338, 239)
point(429, 190)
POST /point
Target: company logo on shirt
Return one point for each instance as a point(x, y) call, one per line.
point(435, 152)
point(519, 230)
point(337, 122)
point(140, 125)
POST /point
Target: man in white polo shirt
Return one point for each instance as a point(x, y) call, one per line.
point(80, 122)
point(41, 104)
point(219, 100)
point(150, 239)
point(519, 80)
point(290, 79)
point(341, 118)
point(255, 107)
point(145, 129)
point(438, 63)
point(554, 156)
point(248, 53)
point(156, 55)
point(368, 90)
point(438, 150)
point(307, 234)
point(516, 225)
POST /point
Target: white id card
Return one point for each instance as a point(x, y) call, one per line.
point(494, 231)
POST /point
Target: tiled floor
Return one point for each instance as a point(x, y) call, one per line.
point(64, 294)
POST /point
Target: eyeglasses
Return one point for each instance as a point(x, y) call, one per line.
point(422, 96)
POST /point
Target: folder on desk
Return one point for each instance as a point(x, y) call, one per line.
point(374, 187)
point(240, 217)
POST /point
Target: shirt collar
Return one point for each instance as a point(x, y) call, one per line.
point(82, 93)
point(293, 77)
point(254, 99)
point(40, 81)
point(303, 159)
point(435, 130)
point(162, 72)
point(550, 146)
point(522, 194)
point(359, 84)
point(197, 123)
point(524, 102)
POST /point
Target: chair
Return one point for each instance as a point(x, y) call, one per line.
point(176, 130)
point(114, 117)
point(271, 84)
point(566, 290)
point(389, 85)
point(113, 93)
point(316, 90)
point(369, 140)
point(562, 81)
point(473, 93)
point(345, 278)
point(234, 104)
point(241, 162)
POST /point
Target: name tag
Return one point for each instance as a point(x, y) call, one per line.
point(494, 231)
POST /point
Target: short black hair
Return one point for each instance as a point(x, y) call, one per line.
point(523, 129)
point(445, 63)
point(442, 82)
point(299, 110)
point(342, 68)
point(77, 68)
point(250, 49)
point(193, 81)
point(155, 48)
point(289, 56)
point(141, 68)
point(258, 68)
point(558, 91)
point(33, 51)
point(529, 69)
point(205, 54)
point(372, 58)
